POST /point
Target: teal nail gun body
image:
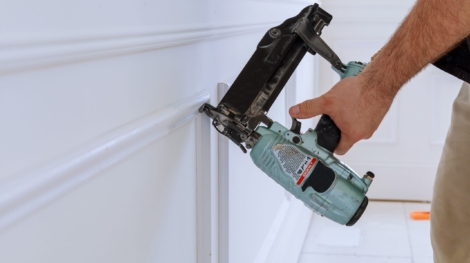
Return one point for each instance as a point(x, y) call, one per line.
point(303, 164)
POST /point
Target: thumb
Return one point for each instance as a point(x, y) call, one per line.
point(307, 109)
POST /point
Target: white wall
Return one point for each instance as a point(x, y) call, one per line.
point(101, 157)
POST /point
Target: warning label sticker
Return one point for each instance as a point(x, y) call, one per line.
point(294, 162)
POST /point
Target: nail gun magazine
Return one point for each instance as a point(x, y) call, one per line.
point(303, 164)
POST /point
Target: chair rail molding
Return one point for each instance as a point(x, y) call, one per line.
point(27, 192)
point(25, 52)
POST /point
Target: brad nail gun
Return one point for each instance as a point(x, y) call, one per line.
point(302, 163)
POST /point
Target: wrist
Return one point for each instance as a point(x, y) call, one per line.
point(377, 87)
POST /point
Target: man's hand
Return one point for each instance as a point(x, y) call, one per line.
point(356, 110)
point(358, 104)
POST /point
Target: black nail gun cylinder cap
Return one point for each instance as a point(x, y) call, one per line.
point(359, 212)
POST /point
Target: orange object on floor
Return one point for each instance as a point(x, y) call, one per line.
point(420, 215)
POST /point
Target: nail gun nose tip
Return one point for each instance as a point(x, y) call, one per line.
point(371, 174)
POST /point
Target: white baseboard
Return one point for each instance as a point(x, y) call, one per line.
point(285, 238)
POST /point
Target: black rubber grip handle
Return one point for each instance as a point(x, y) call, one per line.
point(328, 135)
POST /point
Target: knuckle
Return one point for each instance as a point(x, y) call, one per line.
point(306, 107)
point(369, 132)
point(359, 134)
point(368, 135)
point(356, 135)
point(325, 101)
point(342, 150)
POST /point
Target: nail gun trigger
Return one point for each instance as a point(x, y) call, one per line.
point(296, 125)
point(230, 134)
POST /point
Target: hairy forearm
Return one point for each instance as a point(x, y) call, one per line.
point(431, 28)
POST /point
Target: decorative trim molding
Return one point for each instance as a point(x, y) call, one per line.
point(28, 192)
point(29, 52)
point(273, 233)
point(284, 240)
point(223, 187)
point(203, 190)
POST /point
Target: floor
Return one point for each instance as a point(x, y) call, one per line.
point(384, 234)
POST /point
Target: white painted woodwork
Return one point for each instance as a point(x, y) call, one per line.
point(130, 213)
point(287, 246)
point(204, 185)
point(223, 187)
point(405, 150)
point(25, 193)
point(249, 237)
point(103, 157)
point(281, 239)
